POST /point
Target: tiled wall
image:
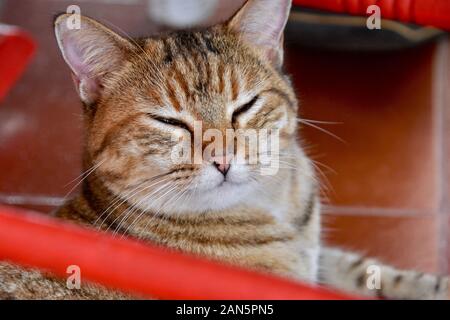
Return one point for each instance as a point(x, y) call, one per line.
point(385, 186)
point(386, 180)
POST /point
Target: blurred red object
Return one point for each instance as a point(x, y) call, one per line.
point(35, 240)
point(423, 12)
point(16, 49)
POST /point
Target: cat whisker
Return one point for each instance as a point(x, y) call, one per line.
point(167, 188)
point(170, 193)
point(118, 198)
point(131, 194)
point(312, 125)
point(325, 187)
point(322, 122)
point(83, 176)
point(324, 166)
point(115, 200)
point(171, 199)
point(129, 211)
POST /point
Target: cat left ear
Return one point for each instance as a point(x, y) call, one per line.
point(92, 51)
point(261, 23)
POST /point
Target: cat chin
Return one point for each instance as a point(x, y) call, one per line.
point(225, 196)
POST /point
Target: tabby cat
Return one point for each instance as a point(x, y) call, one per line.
point(137, 93)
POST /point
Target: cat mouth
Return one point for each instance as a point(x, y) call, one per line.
point(227, 183)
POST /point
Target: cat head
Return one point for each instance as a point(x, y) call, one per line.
point(150, 102)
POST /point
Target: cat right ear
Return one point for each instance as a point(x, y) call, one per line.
point(92, 52)
point(261, 23)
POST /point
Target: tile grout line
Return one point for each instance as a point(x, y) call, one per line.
point(34, 200)
point(440, 76)
point(376, 211)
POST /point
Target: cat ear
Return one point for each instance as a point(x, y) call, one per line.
point(92, 52)
point(261, 23)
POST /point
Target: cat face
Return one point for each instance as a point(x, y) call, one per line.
point(174, 123)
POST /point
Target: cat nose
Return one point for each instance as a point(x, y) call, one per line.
point(222, 166)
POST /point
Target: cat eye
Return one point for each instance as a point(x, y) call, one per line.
point(171, 122)
point(243, 109)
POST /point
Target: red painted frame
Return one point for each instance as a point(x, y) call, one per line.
point(16, 49)
point(36, 240)
point(423, 12)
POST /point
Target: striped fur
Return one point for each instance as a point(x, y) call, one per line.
point(136, 93)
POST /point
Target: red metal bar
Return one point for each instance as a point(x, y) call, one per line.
point(424, 12)
point(32, 239)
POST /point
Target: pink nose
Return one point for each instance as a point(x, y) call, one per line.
point(221, 164)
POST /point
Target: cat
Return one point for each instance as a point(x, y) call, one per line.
point(136, 93)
